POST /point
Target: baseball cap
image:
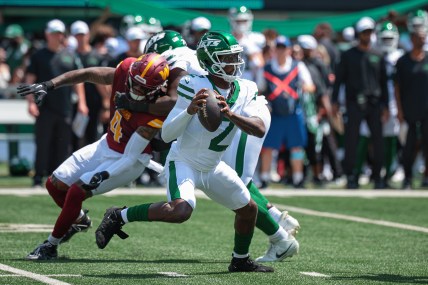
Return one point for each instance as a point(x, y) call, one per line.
point(307, 42)
point(365, 23)
point(134, 33)
point(282, 41)
point(13, 31)
point(79, 27)
point(200, 24)
point(348, 34)
point(55, 26)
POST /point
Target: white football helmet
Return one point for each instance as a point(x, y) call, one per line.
point(241, 19)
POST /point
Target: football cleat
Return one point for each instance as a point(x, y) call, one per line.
point(110, 225)
point(280, 250)
point(45, 251)
point(289, 224)
point(81, 225)
point(247, 265)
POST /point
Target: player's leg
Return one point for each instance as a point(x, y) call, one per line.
point(178, 209)
point(224, 186)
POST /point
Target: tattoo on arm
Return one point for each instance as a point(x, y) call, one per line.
point(147, 132)
point(97, 75)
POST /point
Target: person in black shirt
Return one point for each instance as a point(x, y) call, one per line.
point(363, 72)
point(53, 117)
point(411, 92)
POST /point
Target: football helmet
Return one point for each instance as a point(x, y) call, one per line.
point(129, 21)
point(387, 36)
point(164, 41)
point(146, 76)
point(241, 19)
point(417, 21)
point(216, 51)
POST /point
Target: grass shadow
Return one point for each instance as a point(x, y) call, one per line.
point(392, 278)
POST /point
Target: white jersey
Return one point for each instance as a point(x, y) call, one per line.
point(195, 145)
point(184, 58)
point(244, 151)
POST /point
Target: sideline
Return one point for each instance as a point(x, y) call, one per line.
point(31, 275)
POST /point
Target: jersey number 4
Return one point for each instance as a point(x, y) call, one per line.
point(115, 126)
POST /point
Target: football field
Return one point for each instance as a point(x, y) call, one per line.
point(347, 237)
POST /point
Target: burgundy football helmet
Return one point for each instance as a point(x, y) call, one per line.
point(146, 76)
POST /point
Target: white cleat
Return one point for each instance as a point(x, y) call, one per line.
point(280, 250)
point(289, 224)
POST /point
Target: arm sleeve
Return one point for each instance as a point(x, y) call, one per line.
point(304, 75)
point(133, 150)
point(178, 118)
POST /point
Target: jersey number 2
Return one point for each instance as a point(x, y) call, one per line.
point(115, 126)
point(215, 142)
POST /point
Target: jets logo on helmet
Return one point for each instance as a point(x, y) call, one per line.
point(218, 50)
point(417, 21)
point(241, 19)
point(146, 75)
point(387, 36)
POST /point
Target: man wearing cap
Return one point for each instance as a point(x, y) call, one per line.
point(134, 36)
point(411, 92)
point(17, 46)
point(198, 27)
point(363, 73)
point(285, 79)
point(97, 97)
point(53, 117)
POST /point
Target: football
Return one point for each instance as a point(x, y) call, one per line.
point(209, 114)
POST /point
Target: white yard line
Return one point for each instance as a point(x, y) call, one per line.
point(49, 275)
point(172, 274)
point(353, 218)
point(269, 192)
point(314, 274)
point(31, 275)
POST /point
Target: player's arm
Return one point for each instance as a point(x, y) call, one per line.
point(251, 125)
point(97, 75)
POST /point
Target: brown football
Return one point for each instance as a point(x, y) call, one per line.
point(209, 114)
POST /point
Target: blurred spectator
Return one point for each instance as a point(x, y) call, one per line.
point(363, 73)
point(4, 74)
point(195, 30)
point(347, 39)
point(17, 46)
point(105, 43)
point(283, 78)
point(134, 35)
point(411, 92)
point(96, 96)
point(53, 117)
point(323, 33)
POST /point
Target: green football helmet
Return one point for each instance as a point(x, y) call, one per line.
point(387, 36)
point(417, 21)
point(164, 41)
point(241, 19)
point(217, 50)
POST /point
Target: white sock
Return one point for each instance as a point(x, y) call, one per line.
point(234, 254)
point(279, 235)
point(297, 177)
point(265, 176)
point(124, 214)
point(275, 213)
point(53, 240)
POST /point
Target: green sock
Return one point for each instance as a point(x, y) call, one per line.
point(138, 213)
point(390, 147)
point(242, 243)
point(362, 149)
point(257, 196)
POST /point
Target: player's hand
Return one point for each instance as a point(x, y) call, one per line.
point(197, 101)
point(96, 180)
point(38, 89)
point(225, 109)
point(121, 101)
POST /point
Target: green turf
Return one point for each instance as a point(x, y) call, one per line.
point(349, 252)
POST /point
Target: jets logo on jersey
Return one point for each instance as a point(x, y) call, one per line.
point(210, 43)
point(164, 73)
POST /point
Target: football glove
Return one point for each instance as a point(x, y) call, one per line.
point(38, 89)
point(96, 180)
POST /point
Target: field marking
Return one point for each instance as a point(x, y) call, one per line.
point(314, 274)
point(49, 275)
point(25, 228)
point(25, 192)
point(173, 274)
point(31, 275)
point(353, 218)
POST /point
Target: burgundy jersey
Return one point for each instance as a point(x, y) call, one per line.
point(123, 123)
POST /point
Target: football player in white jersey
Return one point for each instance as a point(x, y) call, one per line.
point(243, 153)
point(194, 160)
